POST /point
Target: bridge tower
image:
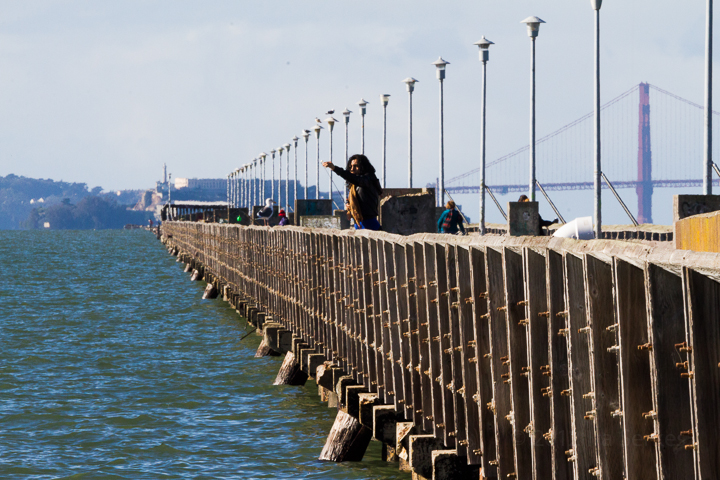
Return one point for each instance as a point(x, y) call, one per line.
point(645, 188)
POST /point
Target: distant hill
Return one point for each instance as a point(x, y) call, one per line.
point(19, 196)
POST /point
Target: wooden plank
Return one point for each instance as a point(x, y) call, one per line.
point(383, 320)
point(444, 344)
point(392, 328)
point(635, 385)
point(376, 320)
point(671, 396)
point(537, 345)
point(415, 408)
point(501, 403)
point(366, 308)
point(451, 304)
point(423, 337)
point(604, 366)
point(484, 398)
point(403, 360)
point(468, 360)
point(583, 452)
point(703, 308)
point(433, 340)
point(515, 316)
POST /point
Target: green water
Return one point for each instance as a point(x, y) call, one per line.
point(111, 366)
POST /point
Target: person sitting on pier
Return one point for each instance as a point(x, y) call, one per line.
point(365, 190)
point(543, 223)
point(451, 220)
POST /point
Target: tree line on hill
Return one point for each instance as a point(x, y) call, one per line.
point(64, 205)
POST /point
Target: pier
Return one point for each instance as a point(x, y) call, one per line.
point(488, 357)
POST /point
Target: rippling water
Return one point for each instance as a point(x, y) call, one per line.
point(111, 366)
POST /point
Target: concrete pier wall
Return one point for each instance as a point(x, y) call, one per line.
point(506, 357)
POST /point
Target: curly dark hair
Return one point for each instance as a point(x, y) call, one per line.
point(366, 168)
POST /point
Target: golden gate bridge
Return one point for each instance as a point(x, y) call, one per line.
point(651, 138)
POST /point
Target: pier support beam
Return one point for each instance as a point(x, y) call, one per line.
point(290, 372)
point(210, 293)
point(446, 465)
point(347, 440)
point(421, 448)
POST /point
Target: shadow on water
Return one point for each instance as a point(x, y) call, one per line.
point(112, 366)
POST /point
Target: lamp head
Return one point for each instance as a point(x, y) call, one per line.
point(533, 26)
point(484, 46)
point(440, 64)
point(262, 156)
point(287, 147)
point(347, 113)
point(385, 98)
point(410, 82)
point(596, 4)
point(295, 140)
point(317, 129)
point(272, 152)
point(331, 122)
point(363, 106)
point(306, 135)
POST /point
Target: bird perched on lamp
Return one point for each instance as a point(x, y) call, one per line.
point(329, 112)
point(317, 120)
point(266, 212)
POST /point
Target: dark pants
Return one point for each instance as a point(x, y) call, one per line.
point(368, 224)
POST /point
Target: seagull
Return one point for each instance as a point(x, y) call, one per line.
point(330, 112)
point(317, 120)
point(266, 212)
point(306, 131)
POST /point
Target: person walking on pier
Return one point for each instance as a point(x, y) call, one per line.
point(283, 218)
point(365, 190)
point(450, 221)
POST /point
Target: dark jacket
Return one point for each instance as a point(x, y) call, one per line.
point(367, 191)
point(454, 223)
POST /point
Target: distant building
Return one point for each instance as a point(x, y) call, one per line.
point(201, 183)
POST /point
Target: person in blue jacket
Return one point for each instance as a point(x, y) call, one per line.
point(450, 221)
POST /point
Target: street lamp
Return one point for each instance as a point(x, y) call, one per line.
point(306, 136)
point(331, 123)
point(533, 28)
point(287, 178)
point(272, 181)
point(484, 46)
point(385, 98)
point(346, 114)
point(363, 110)
point(596, 4)
point(410, 83)
point(257, 177)
point(279, 199)
point(441, 64)
point(295, 141)
point(262, 156)
point(707, 160)
point(317, 129)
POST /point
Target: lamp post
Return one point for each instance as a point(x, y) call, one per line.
point(295, 141)
point(385, 98)
point(533, 28)
point(441, 64)
point(306, 136)
point(484, 46)
point(331, 123)
point(287, 178)
point(262, 156)
point(279, 189)
point(596, 4)
point(258, 200)
point(346, 113)
point(363, 110)
point(272, 181)
point(251, 178)
point(707, 160)
point(410, 83)
point(317, 129)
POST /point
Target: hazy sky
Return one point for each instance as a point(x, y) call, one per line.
point(105, 92)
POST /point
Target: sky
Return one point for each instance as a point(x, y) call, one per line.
point(107, 92)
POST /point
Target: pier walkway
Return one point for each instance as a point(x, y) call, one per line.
point(488, 357)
